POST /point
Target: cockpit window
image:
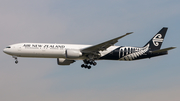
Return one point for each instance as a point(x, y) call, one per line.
point(8, 47)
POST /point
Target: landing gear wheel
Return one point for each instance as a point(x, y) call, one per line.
point(94, 64)
point(89, 67)
point(16, 62)
point(82, 65)
point(90, 63)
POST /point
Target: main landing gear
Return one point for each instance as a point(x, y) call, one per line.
point(90, 62)
point(16, 60)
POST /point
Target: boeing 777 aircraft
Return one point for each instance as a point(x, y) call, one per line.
point(69, 53)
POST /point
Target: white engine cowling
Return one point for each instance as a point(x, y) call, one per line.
point(72, 53)
point(62, 61)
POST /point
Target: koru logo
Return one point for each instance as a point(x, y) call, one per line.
point(157, 39)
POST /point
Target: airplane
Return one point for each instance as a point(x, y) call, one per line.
point(67, 54)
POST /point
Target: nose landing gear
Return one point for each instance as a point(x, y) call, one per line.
point(16, 60)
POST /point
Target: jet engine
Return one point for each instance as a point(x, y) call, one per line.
point(72, 53)
point(62, 61)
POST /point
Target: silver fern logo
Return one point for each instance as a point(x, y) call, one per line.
point(138, 52)
point(157, 39)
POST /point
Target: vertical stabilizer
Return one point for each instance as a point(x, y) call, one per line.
point(156, 42)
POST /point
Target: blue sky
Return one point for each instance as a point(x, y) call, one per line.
point(89, 22)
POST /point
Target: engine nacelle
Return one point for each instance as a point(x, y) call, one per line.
point(62, 61)
point(72, 53)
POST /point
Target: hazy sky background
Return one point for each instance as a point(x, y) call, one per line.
point(89, 22)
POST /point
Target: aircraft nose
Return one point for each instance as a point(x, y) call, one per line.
point(4, 50)
point(7, 51)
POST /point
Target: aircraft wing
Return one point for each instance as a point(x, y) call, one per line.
point(103, 46)
point(163, 50)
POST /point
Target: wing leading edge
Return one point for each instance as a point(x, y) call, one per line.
point(103, 46)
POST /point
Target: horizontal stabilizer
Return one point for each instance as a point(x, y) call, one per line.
point(163, 50)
